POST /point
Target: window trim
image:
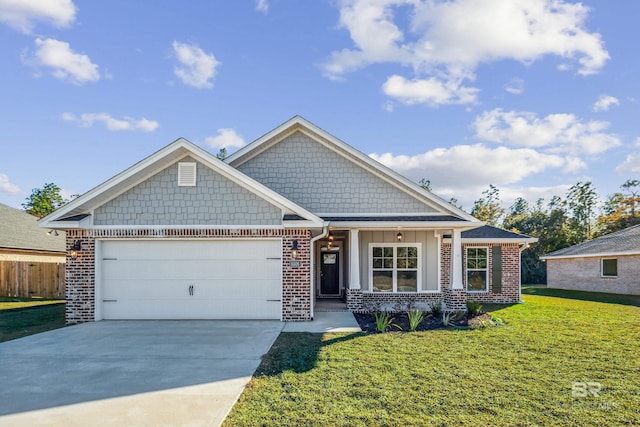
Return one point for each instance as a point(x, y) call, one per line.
point(467, 269)
point(608, 276)
point(394, 274)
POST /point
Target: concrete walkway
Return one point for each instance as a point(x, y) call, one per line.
point(329, 321)
point(131, 373)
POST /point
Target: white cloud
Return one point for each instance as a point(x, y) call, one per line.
point(23, 15)
point(429, 91)
point(464, 171)
point(111, 123)
point(448, 40)
point(226, 138)
point(262, 6)
point(7, 186)
point(557, 133)
point(462, 165)
point(515, 86)
point(605, 102)
point(64, 62)
point(197, 68)
point(630, 165)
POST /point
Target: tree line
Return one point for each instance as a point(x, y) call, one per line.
point(577, 217)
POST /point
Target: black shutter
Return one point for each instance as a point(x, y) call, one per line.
point(496, 269)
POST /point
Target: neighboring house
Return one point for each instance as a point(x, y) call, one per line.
point(31, 258)
point(609, 263)
point(295, 216)
point(21, 239)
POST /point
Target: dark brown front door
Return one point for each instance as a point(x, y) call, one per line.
point(330, 274)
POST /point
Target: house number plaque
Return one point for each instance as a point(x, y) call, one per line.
point(295, 264)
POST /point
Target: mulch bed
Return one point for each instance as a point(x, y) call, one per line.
point(367, 322)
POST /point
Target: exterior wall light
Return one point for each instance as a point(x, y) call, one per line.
point(75, 248)
point(399, 237)
point(294, 249)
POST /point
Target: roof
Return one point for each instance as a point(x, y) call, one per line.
point(298, 123)
point(623, 242)
point(76, 213)
point(399, 218)
point(490, 234)
point(19, 230)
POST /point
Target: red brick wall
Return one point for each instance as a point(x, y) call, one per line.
point(510, 272)
point(80, 285)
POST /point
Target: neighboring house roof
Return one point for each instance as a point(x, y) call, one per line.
point(77, 213)
point(623, 242)
point(19, 230)
point(357, 159)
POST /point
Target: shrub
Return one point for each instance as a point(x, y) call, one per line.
point(383, 321)
point(436, 308)
point(473, 307)
point(415, 318)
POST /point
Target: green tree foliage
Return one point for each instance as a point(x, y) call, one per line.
point(425, 183)
point(42, 201)
point(582, 199)
point(222, 153)
point(621, 209)
point(488, 208)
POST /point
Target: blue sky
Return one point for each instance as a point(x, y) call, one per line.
point(528, 95)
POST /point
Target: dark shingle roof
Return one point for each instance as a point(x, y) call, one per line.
point(627, 240)
point(490, 232)
point(19, 230)
point(405, 218)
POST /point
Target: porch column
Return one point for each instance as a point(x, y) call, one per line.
point(456, 260)
point(354, 260)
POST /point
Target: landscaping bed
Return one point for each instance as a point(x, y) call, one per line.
point(400, 322)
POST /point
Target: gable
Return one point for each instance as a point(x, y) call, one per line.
point(325, 180)
point(214, 200)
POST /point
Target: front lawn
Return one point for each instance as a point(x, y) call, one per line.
point(517, 375)
point(20, 317)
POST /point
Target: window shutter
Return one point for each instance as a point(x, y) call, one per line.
point(496, 269)
point(186, 174)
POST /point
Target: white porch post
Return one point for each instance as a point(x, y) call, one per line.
point(354, 260)
point(456, 260)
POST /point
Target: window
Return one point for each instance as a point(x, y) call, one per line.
point(610, 267)
point(477, 270)
point(395, 267)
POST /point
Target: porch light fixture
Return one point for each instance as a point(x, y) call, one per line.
point(75, 248)
point(399, 237)
point(294, 249)
point(330, 237)
point(53, 233)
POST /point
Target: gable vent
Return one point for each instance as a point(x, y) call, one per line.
point(186, 174)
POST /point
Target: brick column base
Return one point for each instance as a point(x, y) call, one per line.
point(455, 299)
point(354, 299)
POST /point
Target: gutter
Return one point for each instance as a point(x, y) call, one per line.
point(325, 232)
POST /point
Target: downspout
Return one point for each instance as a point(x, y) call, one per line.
point(312, 276)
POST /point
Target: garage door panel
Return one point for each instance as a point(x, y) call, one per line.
point(191, 270)
point(194, 279)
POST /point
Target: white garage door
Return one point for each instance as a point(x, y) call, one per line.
point(187, 279)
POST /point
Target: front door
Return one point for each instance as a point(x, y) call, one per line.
point(329, 274)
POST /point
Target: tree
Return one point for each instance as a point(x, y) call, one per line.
point(42, 201)
point(621, 209)
point(583, 199)
point(425, 183)
point(488, 208)
point(222, 153)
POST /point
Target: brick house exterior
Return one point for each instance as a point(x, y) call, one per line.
point(609, 264)
point(267, 232)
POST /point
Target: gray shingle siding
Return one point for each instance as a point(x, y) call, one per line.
point(213, 201)
point(321, 180)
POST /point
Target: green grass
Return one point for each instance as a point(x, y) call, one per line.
point(517, 375)
point(27, 317)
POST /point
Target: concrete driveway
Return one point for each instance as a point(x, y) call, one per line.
point(131, 373)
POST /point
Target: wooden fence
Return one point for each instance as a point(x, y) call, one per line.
point(32, 279)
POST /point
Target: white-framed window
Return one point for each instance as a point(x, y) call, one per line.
point(609, 267)
point(477, 264)
point(395, 267)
